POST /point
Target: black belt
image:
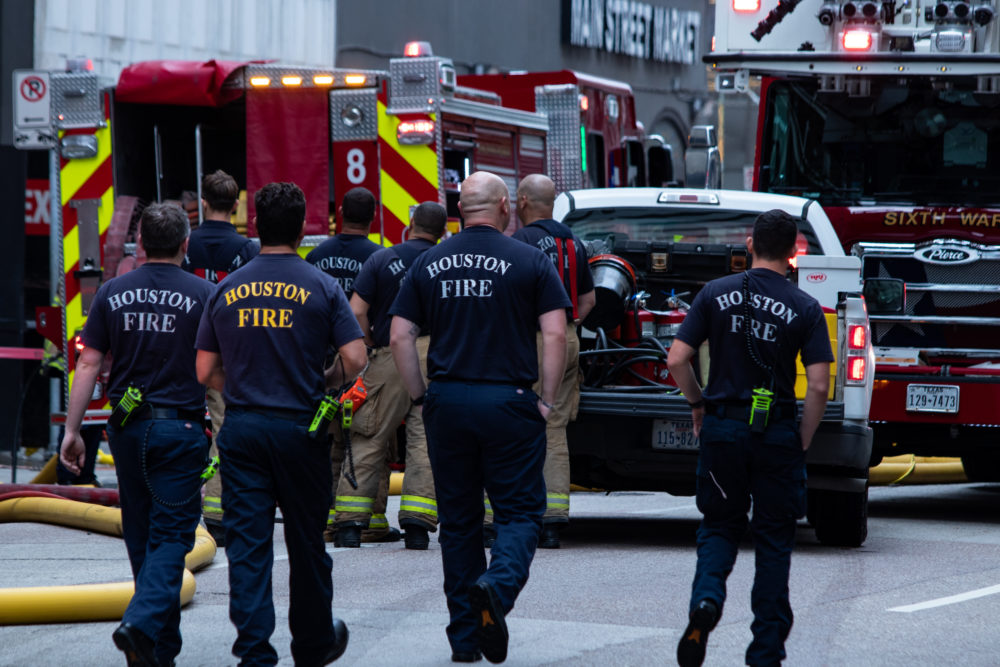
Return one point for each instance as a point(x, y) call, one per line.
point(490, 383)
point(741, 411)
point(149, 412)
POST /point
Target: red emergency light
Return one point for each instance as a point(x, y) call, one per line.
point(415, 132)
point(417, 49)
point(857, 40)
point(746, 5)
point(856, 369)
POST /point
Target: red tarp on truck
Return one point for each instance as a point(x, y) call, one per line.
point(180, 82)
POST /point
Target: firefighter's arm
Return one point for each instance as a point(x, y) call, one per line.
point(403, 340)
point(679, 363)
point(88, 367)
point(351, 360)
point(360, 309)
point(210, 371)
point(817, 389)
point(553, 326)
point(584, 304)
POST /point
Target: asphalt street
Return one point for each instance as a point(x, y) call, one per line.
point(923, 590)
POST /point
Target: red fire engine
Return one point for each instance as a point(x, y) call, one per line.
point(885, 112)
point(409, 135)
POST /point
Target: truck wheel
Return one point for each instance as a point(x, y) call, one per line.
point(840, 518)
point(982, 467)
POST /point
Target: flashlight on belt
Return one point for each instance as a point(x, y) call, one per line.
point(760, 408)
point(131, 400)
point(324, 416)
point(210, 469)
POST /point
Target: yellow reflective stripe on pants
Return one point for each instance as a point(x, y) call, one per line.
point(330, 516)
point(418, 504)
point(378, 522)
point(353, 504)
point(558, 500)
point(211, 505)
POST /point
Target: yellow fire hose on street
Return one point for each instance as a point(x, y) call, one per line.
point(84, 602)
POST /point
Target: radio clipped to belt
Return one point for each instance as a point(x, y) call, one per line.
point(132, 399)
point(346, 405)
point(762, 395)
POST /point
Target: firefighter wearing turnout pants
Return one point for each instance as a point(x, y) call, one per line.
point(536, 195)
point(263, 341)
point(148, 319)
point(388, 402)
point(215, 250)
point(482, 296)
point(756, 325)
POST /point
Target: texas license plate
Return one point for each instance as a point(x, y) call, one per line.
point(932, 398)
point(674, 435)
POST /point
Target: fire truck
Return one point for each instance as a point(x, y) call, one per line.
point(886, 113)
point(409, 134)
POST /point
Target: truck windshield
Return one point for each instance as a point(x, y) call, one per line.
point(688, 225)
point(905, 141)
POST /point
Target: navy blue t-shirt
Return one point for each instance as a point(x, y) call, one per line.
point(534, 234)
point(341, 258)
point(272, 321)
point(784, 320)
point(216, 249)
point(147, 319)
point(379, 279)
point(480, 294)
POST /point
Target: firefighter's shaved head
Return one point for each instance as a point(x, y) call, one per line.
point(536, 195)
point(484, 201)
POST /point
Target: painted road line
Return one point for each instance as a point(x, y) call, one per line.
point(951, 599)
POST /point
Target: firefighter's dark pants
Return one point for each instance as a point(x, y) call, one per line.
point(268, 459)
point(735, 466)
point(485, 436)
point(159, 465)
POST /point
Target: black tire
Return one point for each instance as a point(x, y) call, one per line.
point(982, 467)
point(839, 517)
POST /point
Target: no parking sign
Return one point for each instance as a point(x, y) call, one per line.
point(32, 110)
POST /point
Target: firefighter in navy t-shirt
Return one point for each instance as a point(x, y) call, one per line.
point(756, 324)
point(148, 319)
point(536, 195)
point(482, 296)
point(342, 256)
point(216, 249)
point(388, 402)
point(263, 342)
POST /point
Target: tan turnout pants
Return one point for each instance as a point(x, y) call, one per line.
point(372, 432)
point(211, 503)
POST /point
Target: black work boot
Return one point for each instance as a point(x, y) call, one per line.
point(493, 635)
point(137, 647)
point(549, 537)
point(348, 536)
point(702, 620)
point(416, 537)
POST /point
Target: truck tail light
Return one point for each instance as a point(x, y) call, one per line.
point(746, 5)
point(259, 81)
point(857, 337)
point(355, 79)
point(78, 343)
point(857, 40)
point(323, 80)
point(411, 132)
point(856, 369)
point(291, 80)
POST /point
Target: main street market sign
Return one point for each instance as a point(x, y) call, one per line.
point(632, 28)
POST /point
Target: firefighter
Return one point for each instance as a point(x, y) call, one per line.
point(342, 257)
point(263, 341)
point(751, 448)
point(216, 249)
point(536, 195)
point(148, 319)
point(375, 423)
point(482, 296)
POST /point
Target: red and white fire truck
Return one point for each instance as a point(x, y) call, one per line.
point(887, 114)
point(411, 134)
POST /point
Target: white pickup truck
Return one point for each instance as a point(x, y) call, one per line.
point(651, 250)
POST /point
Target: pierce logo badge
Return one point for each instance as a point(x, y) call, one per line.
point(817, 277)
point(947, 255)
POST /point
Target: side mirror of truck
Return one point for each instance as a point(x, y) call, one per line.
point(884, 296)
point(702, 161)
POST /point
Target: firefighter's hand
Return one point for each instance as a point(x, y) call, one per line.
point(73, 453)
point(697, 417)
point(544, 410)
